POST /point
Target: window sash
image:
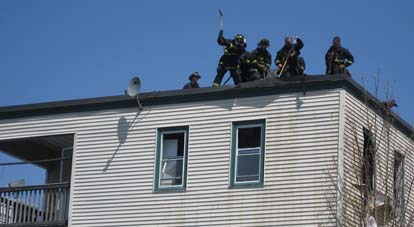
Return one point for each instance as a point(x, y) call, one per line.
point(250, 172)
point(244, 152)
point(164, 175)
point(163, 160)
point(248, 151)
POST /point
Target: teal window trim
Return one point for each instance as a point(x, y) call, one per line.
point(157, 178)
point(234, 149)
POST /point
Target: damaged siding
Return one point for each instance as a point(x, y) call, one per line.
point(357, 116)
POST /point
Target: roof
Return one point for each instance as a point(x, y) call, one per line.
point(257, 88)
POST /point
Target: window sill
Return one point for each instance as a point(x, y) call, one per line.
point(168, 190)
point(247, 185)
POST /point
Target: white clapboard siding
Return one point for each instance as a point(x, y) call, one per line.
point(301, 148)
point(358, 116)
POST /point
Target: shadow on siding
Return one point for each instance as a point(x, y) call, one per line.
point(122, 132)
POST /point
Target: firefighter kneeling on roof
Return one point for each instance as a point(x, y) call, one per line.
point(263, 57)
point(248, 68)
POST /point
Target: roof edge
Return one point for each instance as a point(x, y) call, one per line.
point(269, 86)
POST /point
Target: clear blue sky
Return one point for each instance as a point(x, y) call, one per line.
point(59, 50)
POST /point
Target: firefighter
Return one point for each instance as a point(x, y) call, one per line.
point(287, 58)
point(263, 57)
point(248, 67)
point(338, 58)
point(234, 48)
point(194, 77)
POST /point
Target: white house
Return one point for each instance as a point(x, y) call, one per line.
point(267, 153)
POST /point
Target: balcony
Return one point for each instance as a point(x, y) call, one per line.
point(41, 197)
point(41, 205)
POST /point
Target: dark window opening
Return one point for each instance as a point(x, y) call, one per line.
point(249, 137)
point(399, 180)
point(368, 166)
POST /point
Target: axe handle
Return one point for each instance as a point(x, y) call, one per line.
point(221, 20)
point(283, 67)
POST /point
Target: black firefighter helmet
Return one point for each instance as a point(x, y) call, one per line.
point(264, 42)
point(194, 74)
point(239, 38)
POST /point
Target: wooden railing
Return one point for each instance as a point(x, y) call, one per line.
point(31, 205)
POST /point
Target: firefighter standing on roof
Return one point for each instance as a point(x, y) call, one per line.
point(234, 48)
point(263, 57)
point(194, 77)
point(337, 58)
point(287, 58)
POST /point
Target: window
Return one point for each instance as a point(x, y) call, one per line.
point(368, 166)
point(247, 155)
point(171, 159)
point(399, 180)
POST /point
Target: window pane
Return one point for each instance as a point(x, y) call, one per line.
point(249, 137)
point(368, 157)
point(171, 172)
point(173, 145)
point(248, 167)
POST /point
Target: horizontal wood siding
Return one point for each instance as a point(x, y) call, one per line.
point(358, 116)
point(301, 148)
